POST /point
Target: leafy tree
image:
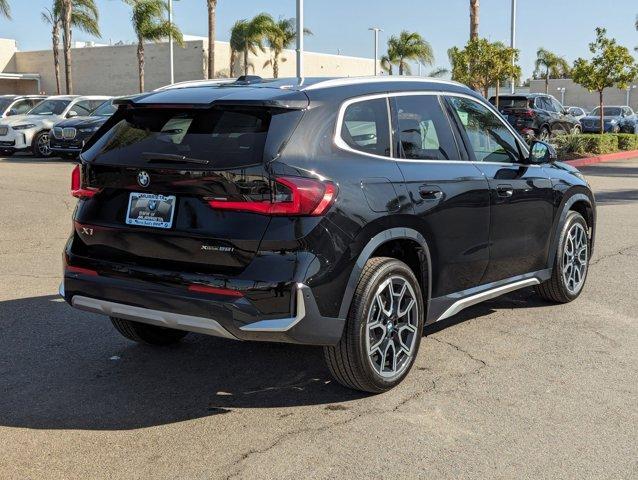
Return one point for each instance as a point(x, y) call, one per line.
point(474, 19)
point(150, 24)
point(388, 61)
point(212, 22)
point(482, 64)
point(279, 37)
point(5, 9)
point(611, 66)
point(438, 72)
point(408, 46)
point(247, 36)
point(549, 65)
point(84, 16)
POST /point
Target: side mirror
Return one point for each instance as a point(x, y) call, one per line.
point(541, 152)
point(72, 114)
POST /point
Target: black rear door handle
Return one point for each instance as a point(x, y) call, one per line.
point(430, 192)
point(505, 190)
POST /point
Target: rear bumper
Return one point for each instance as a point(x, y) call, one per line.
point(169, 306)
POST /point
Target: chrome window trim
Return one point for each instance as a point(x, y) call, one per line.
point(341, 144)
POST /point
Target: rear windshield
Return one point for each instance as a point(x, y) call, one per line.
point(510, 102)
point(224, 137)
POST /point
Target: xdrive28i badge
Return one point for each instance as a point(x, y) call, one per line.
point(143, 178)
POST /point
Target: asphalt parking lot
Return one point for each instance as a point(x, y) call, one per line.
point(513, 388)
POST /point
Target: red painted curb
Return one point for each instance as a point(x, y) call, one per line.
point(581, 162)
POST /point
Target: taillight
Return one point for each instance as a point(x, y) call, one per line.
point(77, 189)
point(293, 196)
point(196, 287)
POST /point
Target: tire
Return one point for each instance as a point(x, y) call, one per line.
point(544, 133)
point(40, 145)
point(558, 288)
point(147, 334)
point(349, 361)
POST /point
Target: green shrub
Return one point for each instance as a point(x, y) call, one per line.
point(627, 141)
point(588, 143)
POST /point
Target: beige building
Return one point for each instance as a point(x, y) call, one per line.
point(575, 95)
point(112, 70)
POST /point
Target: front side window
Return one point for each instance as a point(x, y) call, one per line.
point(365, 127)
point(489, 138)
point(82, 108)
point(21, 107)
point(423, 129)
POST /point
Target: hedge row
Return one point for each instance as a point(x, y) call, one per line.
point(588, 143)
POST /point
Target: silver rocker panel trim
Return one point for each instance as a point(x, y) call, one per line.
point(463, 303)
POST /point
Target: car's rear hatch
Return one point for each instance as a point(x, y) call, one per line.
point(160, 161)
point(515, 108)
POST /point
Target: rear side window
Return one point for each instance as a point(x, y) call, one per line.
point(365, 127)
point(423, 129)
point(223, 137)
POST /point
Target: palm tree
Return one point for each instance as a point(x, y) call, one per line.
point(438, 72)
point(84, 16)
point(5, 9)
point(66, 14)
point(212, 21)
point(548, 65)
point(474, 19)
point(280, 36)
point(408, 46)
point(150, 24)
point(247, 36)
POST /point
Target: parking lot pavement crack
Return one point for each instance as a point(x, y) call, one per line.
point(482, 363)
point(622, 251)
point(247, 455)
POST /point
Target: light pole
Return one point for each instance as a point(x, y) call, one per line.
point(376, 31)
point(170, 41)
point(629, 89)
point(299, 38)
point(513, 39)
point(562, 95)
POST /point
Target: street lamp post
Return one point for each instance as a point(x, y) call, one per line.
point(299, 38)
point(513, 39)
point(629, 89)
point(562, 94)
point(376, 31)
point(170, 41)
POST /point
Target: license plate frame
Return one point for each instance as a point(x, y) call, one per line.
point(150, 210)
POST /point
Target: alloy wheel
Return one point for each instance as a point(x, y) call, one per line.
point(392, 327)
point(44, 147)
point(575, 257)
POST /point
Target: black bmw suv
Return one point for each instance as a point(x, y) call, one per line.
point(69, 136)
point(536, 115)
point(347, 213)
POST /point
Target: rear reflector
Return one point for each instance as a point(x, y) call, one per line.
point(294, 196)
point(215, 290)
point(83, 271)
point(77, 190)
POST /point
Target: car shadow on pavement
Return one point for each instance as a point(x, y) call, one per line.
point(65, 369)
point(612, 170)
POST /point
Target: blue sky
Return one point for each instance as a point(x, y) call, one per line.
point(564, 26)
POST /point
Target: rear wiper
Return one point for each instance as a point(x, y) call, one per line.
point(173, 158)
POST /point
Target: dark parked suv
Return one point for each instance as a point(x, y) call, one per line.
point(536, 115)
point(346, 213)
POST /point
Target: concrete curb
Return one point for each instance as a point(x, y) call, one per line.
point(581, 162)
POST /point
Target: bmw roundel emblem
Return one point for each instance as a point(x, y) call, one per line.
point(143, 178)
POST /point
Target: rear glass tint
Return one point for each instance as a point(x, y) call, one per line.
point(510, 102)
point(225, 138)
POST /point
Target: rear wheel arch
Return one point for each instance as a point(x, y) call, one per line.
point(405, 244)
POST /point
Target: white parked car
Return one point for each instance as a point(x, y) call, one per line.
point(576, 112)
point(11, 105)
point(31, 131)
